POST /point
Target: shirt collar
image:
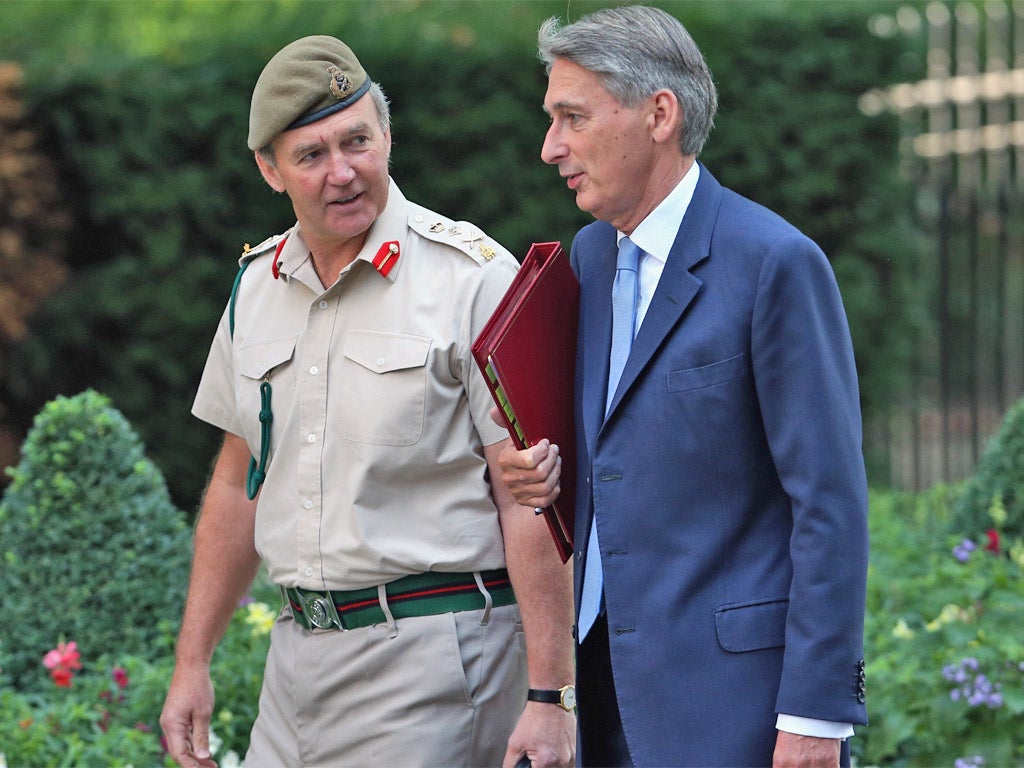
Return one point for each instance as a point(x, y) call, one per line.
point(657, 232)
point(390, 227)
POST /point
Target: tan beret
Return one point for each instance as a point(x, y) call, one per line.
point(305, 81)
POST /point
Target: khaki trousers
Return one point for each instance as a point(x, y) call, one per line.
point(442, 690)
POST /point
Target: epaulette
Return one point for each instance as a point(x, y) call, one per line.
point(458, 234)
point(250, 252)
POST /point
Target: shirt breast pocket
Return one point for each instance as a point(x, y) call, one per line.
point(383, 387)
point(259, 361)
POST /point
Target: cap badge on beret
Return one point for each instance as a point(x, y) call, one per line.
point(341, 86)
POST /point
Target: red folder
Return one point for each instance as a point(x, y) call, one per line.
point(527, 353)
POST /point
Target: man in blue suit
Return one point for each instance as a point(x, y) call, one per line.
point(721, 526)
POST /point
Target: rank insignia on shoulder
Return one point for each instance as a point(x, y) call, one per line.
point(252, 251)
point(487, 252)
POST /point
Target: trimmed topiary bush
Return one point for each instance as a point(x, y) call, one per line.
point(993, 498)
point(93, 549)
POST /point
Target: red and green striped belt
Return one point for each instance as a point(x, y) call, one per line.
point(422, 594)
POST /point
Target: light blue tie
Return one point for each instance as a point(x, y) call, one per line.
point(624, 301)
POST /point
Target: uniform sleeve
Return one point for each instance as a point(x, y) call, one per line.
point(494, 278)
point(215, 398)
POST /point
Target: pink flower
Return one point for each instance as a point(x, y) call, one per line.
point(64, 655)
point(62, 662)
point(120, 677)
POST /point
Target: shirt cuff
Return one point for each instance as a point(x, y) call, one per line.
point(806, 726)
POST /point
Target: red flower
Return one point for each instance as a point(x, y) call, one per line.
point(120, 677)
point(993, 541)
point(62, 662)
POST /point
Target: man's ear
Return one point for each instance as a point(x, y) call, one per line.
point(665, 117)
point(269, 172)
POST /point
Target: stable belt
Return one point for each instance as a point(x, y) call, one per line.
point(422, 594)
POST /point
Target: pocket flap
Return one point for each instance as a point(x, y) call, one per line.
point(707, 375)
point(257, 359)
point(384, 352)
point(752, 626)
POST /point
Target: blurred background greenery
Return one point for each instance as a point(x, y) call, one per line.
point(144, 193)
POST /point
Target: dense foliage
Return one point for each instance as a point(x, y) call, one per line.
point(143, 106)
point(994, 495)
point(108, 714)
point(944, 648)
point(93, 549)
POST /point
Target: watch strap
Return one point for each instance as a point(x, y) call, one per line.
point(544, 695)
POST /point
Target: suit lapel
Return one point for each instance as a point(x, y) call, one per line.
point(676, 289)
point(595, 334)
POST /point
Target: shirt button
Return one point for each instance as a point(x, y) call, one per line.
point(308, 571)
point(311, 438)
point(380, 362)
point(308, 504)
point(313, 370)
point(323, 305)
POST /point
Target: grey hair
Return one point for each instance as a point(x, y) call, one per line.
point(636, 51)
point(380, 102)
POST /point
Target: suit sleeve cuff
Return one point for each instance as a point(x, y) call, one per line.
point(805, 726)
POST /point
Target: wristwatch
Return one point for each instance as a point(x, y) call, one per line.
point(565, 697)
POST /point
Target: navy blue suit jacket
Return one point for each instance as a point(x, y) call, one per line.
point(727, 483)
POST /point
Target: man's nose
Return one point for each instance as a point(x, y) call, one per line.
point(553, 149)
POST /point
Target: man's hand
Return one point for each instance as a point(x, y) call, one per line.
point(532, 475)
point(545, 735)
point(185, 719)
point(795, 751)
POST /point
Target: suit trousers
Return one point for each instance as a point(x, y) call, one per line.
point(601, 740)
point(443, 690)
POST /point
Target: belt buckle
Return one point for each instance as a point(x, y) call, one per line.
point(320, 611)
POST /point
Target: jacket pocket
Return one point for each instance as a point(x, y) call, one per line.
point(707, 375)
point(384, 377)
point(751, 626)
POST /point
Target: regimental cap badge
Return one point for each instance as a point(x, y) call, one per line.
point(341, 86)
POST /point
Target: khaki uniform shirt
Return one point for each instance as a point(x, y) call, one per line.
point(380, 414)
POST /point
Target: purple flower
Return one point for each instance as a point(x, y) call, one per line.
point(962, 551)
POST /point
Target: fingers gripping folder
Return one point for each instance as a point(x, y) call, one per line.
point(527, 354)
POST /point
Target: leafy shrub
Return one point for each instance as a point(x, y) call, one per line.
point(994, 495)
point(944, 650)
point(94, 550)
point(108, 714)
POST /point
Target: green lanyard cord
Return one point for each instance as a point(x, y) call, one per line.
point(258, 472)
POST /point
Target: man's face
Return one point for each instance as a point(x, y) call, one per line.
point(602, 149)
point(335, 171)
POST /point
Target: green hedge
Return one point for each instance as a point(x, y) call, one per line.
point(93, 549)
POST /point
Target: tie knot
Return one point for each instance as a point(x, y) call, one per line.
point(629, 255)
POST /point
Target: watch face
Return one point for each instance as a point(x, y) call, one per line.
point(569, 697)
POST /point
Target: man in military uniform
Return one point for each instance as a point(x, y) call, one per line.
point(357, 464)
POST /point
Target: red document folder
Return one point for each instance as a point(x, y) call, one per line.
point(527, 353)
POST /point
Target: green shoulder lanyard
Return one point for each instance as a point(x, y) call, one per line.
point(257, 470)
